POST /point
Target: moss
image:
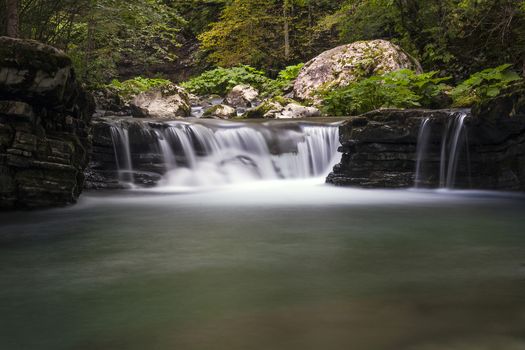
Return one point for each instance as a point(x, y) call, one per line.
point(211, 111)
point(27, 53)
point(259, 111)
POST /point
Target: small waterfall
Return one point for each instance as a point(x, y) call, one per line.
point(121, 147)
point(453, 139)
point(167, 153)
point(457, 131)
point(422, 146)
point(210, 153)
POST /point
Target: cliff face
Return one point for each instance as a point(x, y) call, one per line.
point(44, 126)
point(457, 149)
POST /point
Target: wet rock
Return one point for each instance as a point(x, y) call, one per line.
point(109, 103)
point(266, 110)
point(282, 108)
point(220, 112)
point(379, 150)
point(165, 103)
point(45, 117)
point(296, 111)
point(243, 96)
point(348, 63)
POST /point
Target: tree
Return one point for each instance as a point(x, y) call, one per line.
point(249, 32)
point(12, 23)
point(458, 37)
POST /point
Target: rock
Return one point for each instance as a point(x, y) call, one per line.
point(45, 117)
point(508, 104)
point(379, 150)
point(296, 111)
point(165, 103)
point(266, 110)
point(281, 108)
point(109, 102)
point(242, 96)
point(220, 112)
point(348, 63)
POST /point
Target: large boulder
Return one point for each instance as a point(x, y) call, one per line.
point(242, 96)
point(345, 64)
point(45, 117)
point(164, 103)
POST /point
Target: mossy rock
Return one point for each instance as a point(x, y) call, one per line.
point(220, 112)
point(509, 103)
point(34, 72)
point(267, 107)
point(349, 63)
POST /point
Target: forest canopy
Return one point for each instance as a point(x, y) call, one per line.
point(113, 39)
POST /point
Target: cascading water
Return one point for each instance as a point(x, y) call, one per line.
point(121, 147)
point(453, 140)
point(456, 129)
point(211, 153)
point(422, 146)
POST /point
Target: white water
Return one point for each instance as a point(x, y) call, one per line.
point(121, 147)
point(422, 145)
point(210, 154)
point(455, 136)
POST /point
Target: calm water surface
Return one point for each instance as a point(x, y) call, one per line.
point(293, 265)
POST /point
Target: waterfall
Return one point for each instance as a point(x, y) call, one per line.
point(453, 139)
point(422, 145)
point(121, 147)
point(210, 153)
point(457, 131)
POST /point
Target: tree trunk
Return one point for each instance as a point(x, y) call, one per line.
point(90, 46)
point(12, 18)
point(286, 31)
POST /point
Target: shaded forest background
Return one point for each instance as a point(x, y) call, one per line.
point(110, 39)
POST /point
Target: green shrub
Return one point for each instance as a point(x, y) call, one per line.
point(286, 77)
point(399, 89)
point(220, 81)
point(130, 88)
point(483, 85)
point(290, 73)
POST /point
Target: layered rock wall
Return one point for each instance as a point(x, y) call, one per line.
point(380, 151)
point(44, 126)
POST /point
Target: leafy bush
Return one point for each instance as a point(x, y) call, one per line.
point(130, 88)
point(399, 89)
point(290, 73)
point(286, 77)
point(483, 85)
point(220, 81)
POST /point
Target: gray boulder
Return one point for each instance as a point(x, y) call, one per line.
point(348, 63)
point(165, 103)
point(242, 96)
point(220, 112)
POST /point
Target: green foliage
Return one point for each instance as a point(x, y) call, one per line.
point(399, 89)
point(220, 81)
point(130, 88)
point(290, 73)
point(483, 85)
point(455, 36)
point(266, 33)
